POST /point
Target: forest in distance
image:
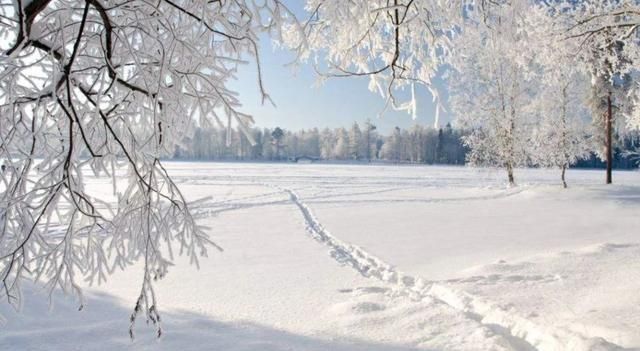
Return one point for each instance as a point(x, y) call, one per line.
point(363, 143)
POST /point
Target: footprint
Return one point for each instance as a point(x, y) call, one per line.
point(371, 290)
point(367, 307)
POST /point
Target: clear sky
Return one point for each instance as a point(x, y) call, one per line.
point(301, 103)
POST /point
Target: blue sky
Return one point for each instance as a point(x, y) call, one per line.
point(300, 103)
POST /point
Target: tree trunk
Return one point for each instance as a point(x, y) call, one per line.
point(609, 117)
point(368, 143)
point(512, 181)
point(567, 159)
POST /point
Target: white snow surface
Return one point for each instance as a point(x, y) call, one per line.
point(369, 257)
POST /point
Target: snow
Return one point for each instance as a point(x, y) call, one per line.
point(433, 258)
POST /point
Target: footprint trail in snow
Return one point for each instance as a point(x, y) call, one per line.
point(512, 331)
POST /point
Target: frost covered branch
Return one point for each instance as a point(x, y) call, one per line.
point(108, 88)
point(397, 44)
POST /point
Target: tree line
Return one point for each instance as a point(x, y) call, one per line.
point(417, 144)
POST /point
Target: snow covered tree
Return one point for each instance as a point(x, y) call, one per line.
point(356, 150)
point(327, 142)
point(492, 87)
point(341, 148)
point(311, 140)
point(291, 144)
point(93, 86)
point(392, 148)
point(561, 135)
point(606, 33)
point(370, 136)
point(277, 138)
point(268, 152)
point(609, 102)
point(415, 143)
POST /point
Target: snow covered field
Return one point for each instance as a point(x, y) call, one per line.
point(354, 257)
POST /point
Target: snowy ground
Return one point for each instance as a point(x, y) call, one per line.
point(432, 258)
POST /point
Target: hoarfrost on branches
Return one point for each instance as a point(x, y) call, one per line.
point(561, 104)
point(95, 86)
point(397, 44)
point(492, 87)
point(607, 41)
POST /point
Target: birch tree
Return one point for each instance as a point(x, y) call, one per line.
point(492, 88)
point(561, 136)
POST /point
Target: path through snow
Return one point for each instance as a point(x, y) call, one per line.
point(504, 266)
point(519, 331)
